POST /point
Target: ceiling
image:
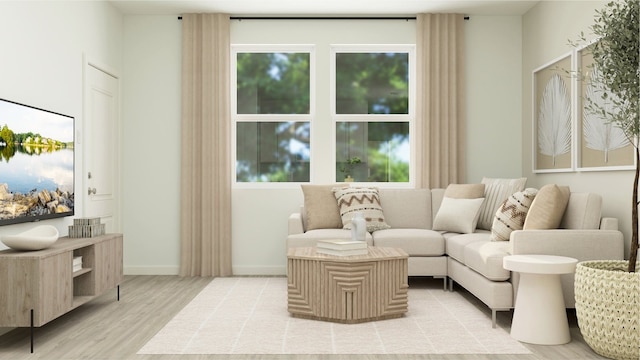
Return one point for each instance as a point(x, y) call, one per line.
point(323, 7)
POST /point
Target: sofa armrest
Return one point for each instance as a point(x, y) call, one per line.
point(609, 224)
point(580, 244)
point(295, 224)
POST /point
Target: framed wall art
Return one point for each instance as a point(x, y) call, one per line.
point(601, 145)
point(552, 116)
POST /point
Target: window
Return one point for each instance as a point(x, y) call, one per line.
point(373, 112)
point(273, 97)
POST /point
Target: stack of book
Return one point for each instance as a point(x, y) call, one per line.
point(77, 263)
point(86, 227)
point(342, 247)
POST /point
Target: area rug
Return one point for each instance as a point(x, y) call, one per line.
point(242, 315)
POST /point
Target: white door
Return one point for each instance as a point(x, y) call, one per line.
point(102, 147)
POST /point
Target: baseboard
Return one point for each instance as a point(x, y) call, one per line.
point(151, 270)
point(259, 270)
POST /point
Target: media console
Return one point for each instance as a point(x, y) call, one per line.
point(39, 286)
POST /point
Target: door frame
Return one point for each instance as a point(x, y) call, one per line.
point(81, 135)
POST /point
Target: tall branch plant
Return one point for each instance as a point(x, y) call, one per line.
point(616, 54)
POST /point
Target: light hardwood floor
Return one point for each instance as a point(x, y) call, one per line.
point(107, 329)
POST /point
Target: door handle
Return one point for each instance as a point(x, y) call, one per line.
point(92, 191)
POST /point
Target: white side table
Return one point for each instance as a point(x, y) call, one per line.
point(539, 316)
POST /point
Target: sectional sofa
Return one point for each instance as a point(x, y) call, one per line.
point(448, 235)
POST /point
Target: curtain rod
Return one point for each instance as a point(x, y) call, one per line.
point(407, 18)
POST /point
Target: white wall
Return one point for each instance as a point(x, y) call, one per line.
point(151, 144)
point(494, 92)
point(547, 29)
point(44, 44)
point(151, 105)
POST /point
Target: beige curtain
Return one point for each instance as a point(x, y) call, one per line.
point(440, 108)
point(205, 224)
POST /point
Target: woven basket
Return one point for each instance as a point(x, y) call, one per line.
point(608, 308)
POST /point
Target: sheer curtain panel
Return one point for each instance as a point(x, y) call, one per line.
point(205, 141)
point(440, 107)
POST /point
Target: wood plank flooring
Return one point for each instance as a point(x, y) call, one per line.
point(108, 329)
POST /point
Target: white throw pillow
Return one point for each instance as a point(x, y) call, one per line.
point(458, 215)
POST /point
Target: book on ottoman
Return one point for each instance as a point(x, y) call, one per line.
point(341, 244)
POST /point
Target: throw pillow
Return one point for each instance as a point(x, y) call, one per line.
point(547, 208)
point(364, 200)
point(458, 215)
point(512, 214)
point(321, 210)
point(464, 191)
point(496, 191)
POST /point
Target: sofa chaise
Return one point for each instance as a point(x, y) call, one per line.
point(447, 240)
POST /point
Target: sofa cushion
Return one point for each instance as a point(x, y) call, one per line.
point(415, 242)
point(496, 191)
point(511, 214)
point(583, 211)
point(547, 208)
point(485, 257)
point(407, 208)
point(321, 209)
point(464, 191)
point(455, 243)
point(360, 199)
point(458, 215)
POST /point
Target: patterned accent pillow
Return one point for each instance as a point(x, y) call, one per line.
point(363, 200)
point(511, 214)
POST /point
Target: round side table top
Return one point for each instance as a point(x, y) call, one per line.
point(540, 264)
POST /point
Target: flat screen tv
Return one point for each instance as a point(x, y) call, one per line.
point(36, 164)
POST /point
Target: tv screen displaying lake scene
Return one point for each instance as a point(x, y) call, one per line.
point(36, 164)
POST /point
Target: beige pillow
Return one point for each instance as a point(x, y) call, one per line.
point(360, 199)
point(512, 214)
point(458, 215)
point(547, 208)
point(464, 191)
point(321, 210)
point(496, 191)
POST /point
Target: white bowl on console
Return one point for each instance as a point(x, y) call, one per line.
point(37, 238)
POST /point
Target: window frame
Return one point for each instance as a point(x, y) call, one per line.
point(410, 117)
point(300, 118)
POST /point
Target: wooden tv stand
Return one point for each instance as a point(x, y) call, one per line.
point(39, 286)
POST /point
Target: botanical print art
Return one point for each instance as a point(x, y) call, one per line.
point(552, 117)
point(603, 145)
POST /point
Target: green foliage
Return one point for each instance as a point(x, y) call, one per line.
point(6, 135)
point(347, 167)
point(616, 54)
point(372, 83)
point(273, 83)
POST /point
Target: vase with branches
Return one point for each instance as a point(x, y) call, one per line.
point(347, 167)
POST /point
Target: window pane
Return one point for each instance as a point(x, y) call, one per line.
point(372, 83)
point(272, 152)
point(273, 83)
point(382, 148)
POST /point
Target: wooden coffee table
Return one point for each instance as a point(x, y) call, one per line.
point(347, 289)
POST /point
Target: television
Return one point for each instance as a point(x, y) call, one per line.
point(36, 163)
